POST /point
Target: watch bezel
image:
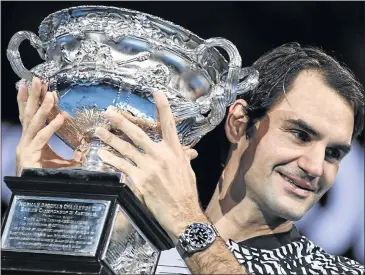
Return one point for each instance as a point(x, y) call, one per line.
point(208, 229)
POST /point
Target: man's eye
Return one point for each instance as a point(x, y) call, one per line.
point(333, 154)
point(301, 135)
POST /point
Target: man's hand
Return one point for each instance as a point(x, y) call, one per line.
point(162, 174)
point(167, 183)
point(33, 150)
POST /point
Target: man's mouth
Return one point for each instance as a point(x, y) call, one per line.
point(298, 183)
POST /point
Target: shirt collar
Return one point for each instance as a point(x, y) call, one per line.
point(272, 241)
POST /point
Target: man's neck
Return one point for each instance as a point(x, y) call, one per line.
point(235, 215)
point(243, 221)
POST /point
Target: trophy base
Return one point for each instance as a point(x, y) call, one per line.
point(78, 222)
point(54, 267)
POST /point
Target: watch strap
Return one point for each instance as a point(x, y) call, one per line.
point(181, 248)
point(214, 230)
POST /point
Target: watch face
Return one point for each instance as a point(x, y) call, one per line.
point(199, 235)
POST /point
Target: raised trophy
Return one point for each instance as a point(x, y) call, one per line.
point(86, 220)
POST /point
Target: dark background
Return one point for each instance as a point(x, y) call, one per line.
point(254, 27)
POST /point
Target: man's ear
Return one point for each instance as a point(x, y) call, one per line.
point(237, 120)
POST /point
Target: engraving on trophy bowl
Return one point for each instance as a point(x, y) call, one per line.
point(54, 225)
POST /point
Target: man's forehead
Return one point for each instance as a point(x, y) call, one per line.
point(310, 95)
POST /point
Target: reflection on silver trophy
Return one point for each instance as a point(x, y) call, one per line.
point(96, 56)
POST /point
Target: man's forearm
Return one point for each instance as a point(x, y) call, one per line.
point(216, 259)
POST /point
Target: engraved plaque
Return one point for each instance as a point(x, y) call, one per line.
point(55, 225)
point(128, 250)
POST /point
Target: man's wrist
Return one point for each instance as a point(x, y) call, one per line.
point(182, 224)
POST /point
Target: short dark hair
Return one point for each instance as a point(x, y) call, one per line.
point(279, 68)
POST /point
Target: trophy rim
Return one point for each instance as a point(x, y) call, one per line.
point(46, 27)
point(45, 32)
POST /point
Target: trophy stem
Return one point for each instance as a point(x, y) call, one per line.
point(90, 159)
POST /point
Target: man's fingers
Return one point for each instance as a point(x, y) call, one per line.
point(123, 147)
point(168, 126)
point(55, 97)
point(43, 136)
point(191, 154)
point(22, 100)
point(44, 89)
point(119, 163)
point(39, 119)
point(157, 116)
point(136, 134)
point(32, 103)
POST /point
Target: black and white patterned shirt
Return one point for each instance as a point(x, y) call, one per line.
point(284, 253)
point(289, 253)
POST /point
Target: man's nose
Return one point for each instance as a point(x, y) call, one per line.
point(312, 160)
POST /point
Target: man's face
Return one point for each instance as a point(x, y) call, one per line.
point(292, 159)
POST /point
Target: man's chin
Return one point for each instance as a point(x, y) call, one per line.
point(292, 215)
point(290, 212)
point(293, 209)
point(293, 218)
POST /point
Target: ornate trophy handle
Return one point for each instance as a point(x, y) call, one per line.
point(223, 93)
point(234, 65)
point(250, 82)
point(14, 56)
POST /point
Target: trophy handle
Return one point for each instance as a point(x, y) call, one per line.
point(13, 54)
point(251, 79)
point(200, 54)
point(225, 92)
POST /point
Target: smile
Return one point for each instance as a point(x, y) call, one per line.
point(295, 184)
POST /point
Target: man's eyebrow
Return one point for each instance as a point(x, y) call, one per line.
point(299, 123)
point(345, 148)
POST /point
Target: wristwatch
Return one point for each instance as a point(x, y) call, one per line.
point(197, 237)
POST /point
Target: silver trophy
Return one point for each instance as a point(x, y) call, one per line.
point(96, 56)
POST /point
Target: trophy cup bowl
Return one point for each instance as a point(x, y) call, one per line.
point(97, 56)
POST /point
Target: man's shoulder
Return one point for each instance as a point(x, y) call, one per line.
point(317, 250)
point(336, 261)
point(300, 256)
point(349, 263)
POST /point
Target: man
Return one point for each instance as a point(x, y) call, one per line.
point(288, 137)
